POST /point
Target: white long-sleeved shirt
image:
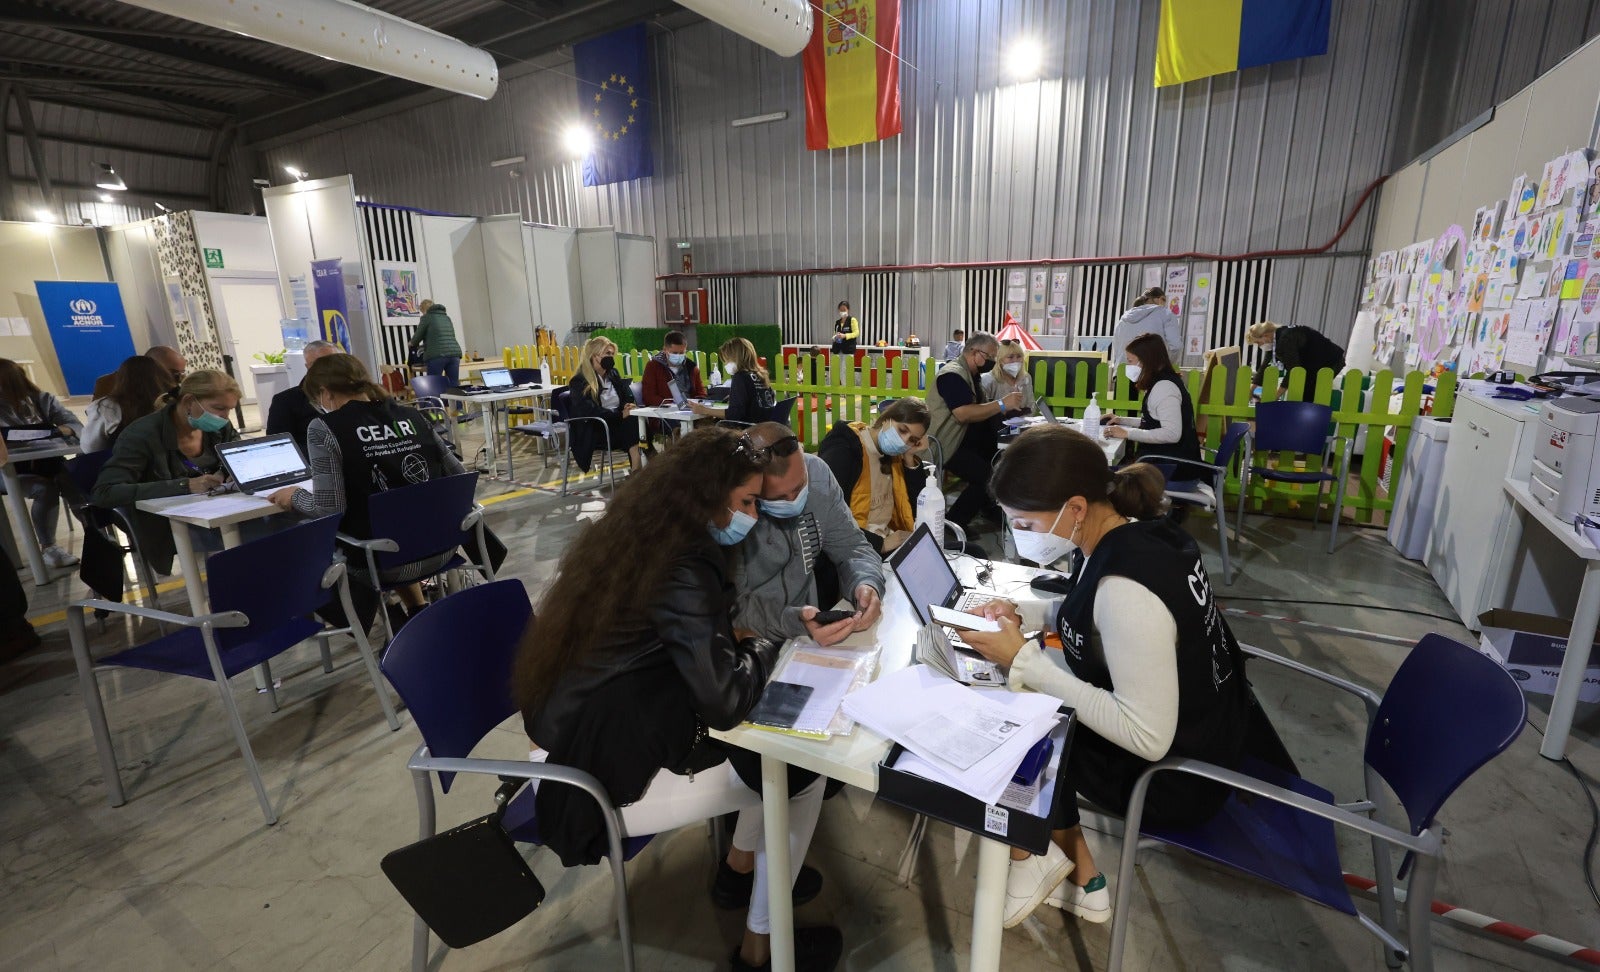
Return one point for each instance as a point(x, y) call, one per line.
point(1140, 641)
point(1166, 407)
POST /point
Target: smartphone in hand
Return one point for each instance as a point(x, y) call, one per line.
point(825, 618)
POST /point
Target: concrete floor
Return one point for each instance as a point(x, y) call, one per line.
point(187, 876)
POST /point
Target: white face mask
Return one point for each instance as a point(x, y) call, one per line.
point(1133, 372)
point(731, 367)
point(1013, 368)
point(1044, 548)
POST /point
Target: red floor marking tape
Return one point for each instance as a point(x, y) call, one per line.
point(1493, 926)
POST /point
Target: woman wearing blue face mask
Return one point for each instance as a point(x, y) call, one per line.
point(880, 468)
point(1148, 662)
point(170, 452)
point(633, 656)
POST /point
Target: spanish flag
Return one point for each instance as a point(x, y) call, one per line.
point(852, 71)
point(1200, 38)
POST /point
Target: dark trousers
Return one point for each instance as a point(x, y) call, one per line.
point(973, 463)
point(1105, 773)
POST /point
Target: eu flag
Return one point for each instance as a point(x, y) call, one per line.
point(614, 99)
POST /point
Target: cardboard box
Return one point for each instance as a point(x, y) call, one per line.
point(1008, 825)
point(1531, 647)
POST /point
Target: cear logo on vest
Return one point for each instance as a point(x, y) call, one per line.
point(402, 428)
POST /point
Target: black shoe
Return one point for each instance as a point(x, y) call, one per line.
point(731, 889)
point(398, 616)
point(815, 950)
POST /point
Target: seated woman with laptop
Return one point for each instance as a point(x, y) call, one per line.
point(350, 463)
point(632, 657)
point(1150, 665)
point(170, 452)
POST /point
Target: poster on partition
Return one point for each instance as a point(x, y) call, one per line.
point(327, 288)
point(88, 328)
point(1177, 288)
point(402, 297)
point(1055, 320)
point(1153, 276)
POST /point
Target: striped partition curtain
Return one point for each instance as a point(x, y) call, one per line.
point(879, 309)
point(391, 236)
point(983, 300)
point(1240, 301)
point(1102, 296)
point(724, 296)
point(794, 307)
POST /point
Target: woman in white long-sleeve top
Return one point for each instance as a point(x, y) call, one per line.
point(1165, 424)
point(1148, 663)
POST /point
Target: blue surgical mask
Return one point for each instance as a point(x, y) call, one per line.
point(786, 509)
point(889, 441)
point(737, 529)
point(676, 359)
point(206, 422)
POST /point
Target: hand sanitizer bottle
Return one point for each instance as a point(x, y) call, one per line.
point(1091, 418)
point(930, 506)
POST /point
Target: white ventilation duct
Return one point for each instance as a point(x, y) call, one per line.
point(349, 33)
point(782, 26)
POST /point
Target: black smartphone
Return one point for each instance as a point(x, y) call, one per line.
point(825, 618)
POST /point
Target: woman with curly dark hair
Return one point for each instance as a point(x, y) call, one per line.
point(632, 657)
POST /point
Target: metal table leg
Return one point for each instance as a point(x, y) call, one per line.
point(22, 526)
point(1574, 664)
point(780, 890)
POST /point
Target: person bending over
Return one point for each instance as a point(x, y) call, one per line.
point(1150, 665)
point(1295, 346)
point(1165, 425)
point(967, 424)
point(362, 444)
point(1148, 315)
point(600, 391)
point(170, 452)
point(633, 656)
point(880, 467)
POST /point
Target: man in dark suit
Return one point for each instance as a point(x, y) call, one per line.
point(290, 410)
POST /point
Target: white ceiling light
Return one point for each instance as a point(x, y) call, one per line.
point(783, 26)
point(299, 174)
point(771, 116)
point(44, 216)
point(109, 178)
point(1025, 59)
point(105, 197)
point(164, 209)
point(578, 140)
point(351, 33)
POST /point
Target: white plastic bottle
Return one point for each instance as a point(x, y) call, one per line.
point(716, 376)
point(544, 372)
point(1091, 418)
point(930, 506)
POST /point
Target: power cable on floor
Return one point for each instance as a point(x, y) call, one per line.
point(1348, 604)
point(1594, 825)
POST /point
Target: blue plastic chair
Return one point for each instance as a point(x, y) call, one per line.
point(427, 390)
point(263, 594)
point(1216, 471)
point(415, 523)
point(552, 425)
point(451, 665)
point(1303, 428)
point(83, 469)
point(1447, 712)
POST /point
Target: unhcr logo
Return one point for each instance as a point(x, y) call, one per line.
point(85, 313)
point(83, 305)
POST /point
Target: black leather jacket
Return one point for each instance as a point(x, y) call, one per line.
point(685, 627)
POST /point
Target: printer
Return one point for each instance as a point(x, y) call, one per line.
point(1566, 462)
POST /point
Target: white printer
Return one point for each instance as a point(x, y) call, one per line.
point(1566, 464)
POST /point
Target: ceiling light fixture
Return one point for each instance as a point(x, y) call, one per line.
point(578, 140)
point(1025, 59)
point(262, 183)
point(512, 160)
point(770, 116)
point(43, 216)
point(105, 197)
point(109, 178)
point(299, 174)
point(164, 209)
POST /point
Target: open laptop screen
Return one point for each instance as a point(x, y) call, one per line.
point(272, 459)
point(924, 573)
point(496, 377)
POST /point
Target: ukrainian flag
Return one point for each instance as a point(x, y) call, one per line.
point(1200, 38)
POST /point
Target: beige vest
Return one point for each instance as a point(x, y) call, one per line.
point(945, 427)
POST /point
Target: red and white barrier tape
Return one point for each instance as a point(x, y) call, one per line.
point(1493, 926)
point(1284, 619)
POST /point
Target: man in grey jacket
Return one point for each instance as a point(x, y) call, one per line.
point(803, 508)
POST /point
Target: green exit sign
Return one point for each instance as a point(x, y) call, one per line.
point(213, 259)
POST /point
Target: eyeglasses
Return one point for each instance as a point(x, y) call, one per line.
point(746, 446)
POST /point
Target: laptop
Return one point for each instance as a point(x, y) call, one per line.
point(928, 579)
point(263, 466)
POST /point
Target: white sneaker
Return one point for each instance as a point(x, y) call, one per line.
point(1031, 880)
point(1091, 902)
point(55, 556)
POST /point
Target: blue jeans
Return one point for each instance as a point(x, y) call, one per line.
point(450, 367)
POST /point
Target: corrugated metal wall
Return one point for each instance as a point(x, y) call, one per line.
point(1091, 161)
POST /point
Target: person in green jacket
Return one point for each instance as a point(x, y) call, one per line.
point(436, 336)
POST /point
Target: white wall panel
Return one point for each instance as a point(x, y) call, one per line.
point(637, 269)
point(506, 272)
point(601, 271)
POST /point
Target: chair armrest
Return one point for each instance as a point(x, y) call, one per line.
point(520, 769)
point(379, 544)
point(1428, 842)
point(1179, 459)
point(1368, 696)
point(222, 619)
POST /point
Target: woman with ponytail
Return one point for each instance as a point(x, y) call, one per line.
point(1148, 315)
point(365, 443)
point(1148, 663)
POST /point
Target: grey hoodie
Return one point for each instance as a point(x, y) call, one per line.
point(1149, 319)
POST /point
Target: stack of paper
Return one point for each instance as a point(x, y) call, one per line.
point(972, 741)
point(817, 679)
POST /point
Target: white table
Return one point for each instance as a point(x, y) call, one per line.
point(1575, 662)
point(1113, 448)
point(491, 402)
point(668, 413)
point(17, 504)
point(854, 760)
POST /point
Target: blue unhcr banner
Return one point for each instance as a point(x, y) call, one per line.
point(327, 290)
point(88, 328)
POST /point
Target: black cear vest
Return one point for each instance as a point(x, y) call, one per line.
point(1188, 444)
point(383, 446)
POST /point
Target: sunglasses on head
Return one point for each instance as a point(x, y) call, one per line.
point(746, 446)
